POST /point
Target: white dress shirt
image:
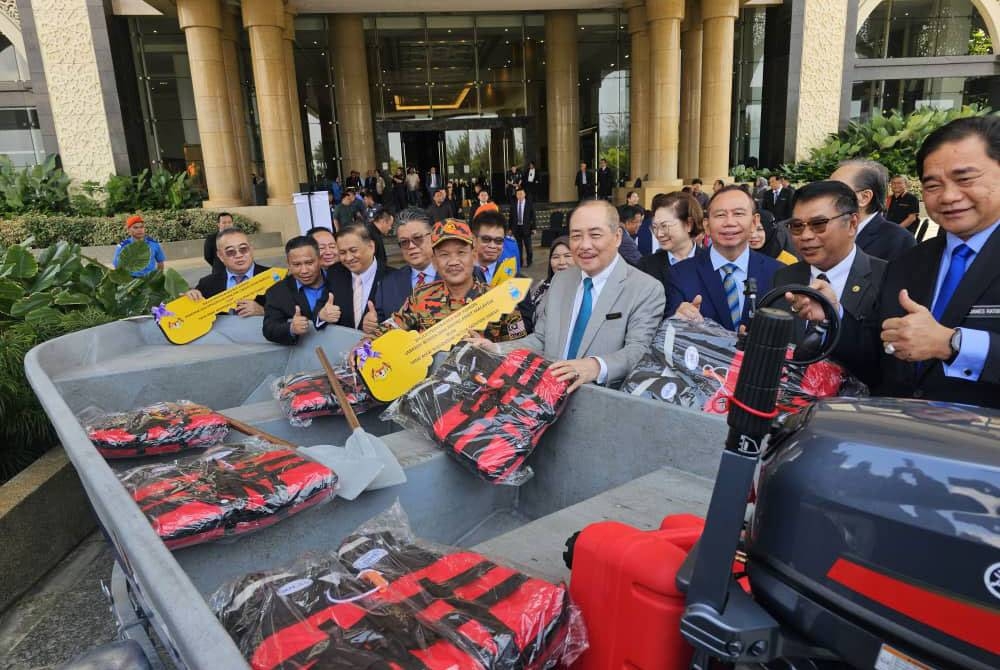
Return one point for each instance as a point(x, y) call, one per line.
point(361, 299)
point(674, 260)
point(599, 280)
point(838, 273)
point(741, 273)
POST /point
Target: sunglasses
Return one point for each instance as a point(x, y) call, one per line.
point(415, 241)
point(818, 226)
point(486, 239)
point(233, 252)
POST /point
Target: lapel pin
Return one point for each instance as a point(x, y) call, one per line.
point(855, 289)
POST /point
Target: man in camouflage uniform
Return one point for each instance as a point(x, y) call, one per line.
point(454, 257)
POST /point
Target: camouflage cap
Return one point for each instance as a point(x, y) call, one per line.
point(451, 229)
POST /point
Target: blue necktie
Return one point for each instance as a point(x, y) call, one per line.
point(732, 293)
point(586, 306)
point(956, 269)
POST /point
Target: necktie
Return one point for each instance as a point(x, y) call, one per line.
point(732, 293)
point(485, 270)
point(586, 306)
point(421, 278)
point(520, 213)
point(956, 269)
point(359, 300)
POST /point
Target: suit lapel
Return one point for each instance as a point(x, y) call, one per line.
point(980, 276)
point(609, 295)
point(923, 282)
point(716, 295)
point(858, 277)
point(566, 309)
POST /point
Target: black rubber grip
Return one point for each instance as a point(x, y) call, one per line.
point(760, 373)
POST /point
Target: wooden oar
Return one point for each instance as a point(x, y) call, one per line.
point(247, 429)
point(361, 442)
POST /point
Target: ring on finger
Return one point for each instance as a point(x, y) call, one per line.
point(889, 348)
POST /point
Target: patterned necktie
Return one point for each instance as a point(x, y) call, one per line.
point(732, 293)
point(956, 269)
point(586, 306)
point(359, 300)
point(421, 278)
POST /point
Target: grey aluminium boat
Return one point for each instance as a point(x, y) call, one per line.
point(610, 456)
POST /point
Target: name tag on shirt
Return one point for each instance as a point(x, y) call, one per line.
point(985, 311)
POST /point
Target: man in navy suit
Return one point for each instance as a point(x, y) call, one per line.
point(877, 236)
point(710, 286)
point(414, 237)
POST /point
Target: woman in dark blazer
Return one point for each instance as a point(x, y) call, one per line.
point(677, 227)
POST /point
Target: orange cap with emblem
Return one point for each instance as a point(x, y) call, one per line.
point(451, 229)
point(132, 220)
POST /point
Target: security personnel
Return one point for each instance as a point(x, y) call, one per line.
point(136, 228)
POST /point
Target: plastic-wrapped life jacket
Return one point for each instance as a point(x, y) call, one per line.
point(160, 428)
point(304, 396)
point(487, 410)
point(383, 604)
point(231, 490)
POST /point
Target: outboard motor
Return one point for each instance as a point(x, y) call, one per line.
point(875, 538)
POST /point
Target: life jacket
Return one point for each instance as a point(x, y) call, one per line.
point(487, 410)
point(306, 395)
point(230, 490)
point(385, 604)
point(161, 428)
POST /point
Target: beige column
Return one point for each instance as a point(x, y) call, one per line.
point(638, 100)
point(719, 26)
point(691, 45)
point(665, 79)
point(351, 91)
point(265, 24)
point(201, 21)
point(823, 35)
point(237, 107)
point(294, 110)
point(562, 104)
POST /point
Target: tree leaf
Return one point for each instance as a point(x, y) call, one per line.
point(119, 276)
point(42, 315)
point(18, 263)
point(173, 283)
point(91, 275)
point(135, 257)
point(71, 298)
point(30, 303)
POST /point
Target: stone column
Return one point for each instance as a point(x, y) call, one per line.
point(719, 26)
point(265, 24)
point(294, 109)
point(665, 79)
point(638, 99)
point(562, 104)
point(351, 92)
point(691, 35)
point(201, 21)
point(231, 29)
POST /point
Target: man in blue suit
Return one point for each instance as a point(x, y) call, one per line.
point(710, 286)
point(414, 237)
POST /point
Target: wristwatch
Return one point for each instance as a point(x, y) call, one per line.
point(956, 345)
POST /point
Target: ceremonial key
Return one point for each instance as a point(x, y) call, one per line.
point(395, 362)
point(184, 320)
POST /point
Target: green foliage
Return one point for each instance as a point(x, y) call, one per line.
point(158, 189)
point(164, 226)
point(980, 43)
point(51, 294)
point(892, 140)
point(39, 188)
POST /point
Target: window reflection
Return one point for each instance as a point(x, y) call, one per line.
point(20, 136)
point(923, 28)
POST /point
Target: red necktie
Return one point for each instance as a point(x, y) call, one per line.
point(421, 278)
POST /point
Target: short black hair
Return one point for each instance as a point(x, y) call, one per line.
point(222, 214)
point(299, 242)
point(440, 188)
point(627, 212)
point(489, 218)
point(319, 229)
point(844, 198)
point(382, 214)
point(696, 180)
point(359, 229)
point(730, 189)
point(411, 214)
point(986, 128)
point(226, 232)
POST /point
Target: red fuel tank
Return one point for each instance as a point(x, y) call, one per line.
point(623, 579)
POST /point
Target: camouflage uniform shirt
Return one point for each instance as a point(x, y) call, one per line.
point(432, 302)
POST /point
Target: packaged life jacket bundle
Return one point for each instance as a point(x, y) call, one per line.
point(695, 365)
point(232, 489)
point(381, 603)
point(487, 410)
point(160, 428)
point(306, 395)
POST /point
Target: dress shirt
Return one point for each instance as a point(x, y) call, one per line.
point(583, 179)
point(674, 260)
point(600, 279)
point(489, 270)
point(864, 222)
point(231, 276)
point(367, 281)
point(975, 343)
point(430, 274)
point(531, 174)
point(313, 296)
point(520, 212)
point(740, 274)
point(837, 274)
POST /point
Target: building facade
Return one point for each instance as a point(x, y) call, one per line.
point(297, 92)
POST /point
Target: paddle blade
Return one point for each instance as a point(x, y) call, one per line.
point(365, 445)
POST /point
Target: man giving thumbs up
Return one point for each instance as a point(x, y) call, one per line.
point(297, 303)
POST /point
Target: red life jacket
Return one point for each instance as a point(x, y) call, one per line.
point(306, 395)
point(161, 428)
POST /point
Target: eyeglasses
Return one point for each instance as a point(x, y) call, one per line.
point(415, 241)
point(233, 252)
point(664, 225)
point(818, 226)
point(486, 239)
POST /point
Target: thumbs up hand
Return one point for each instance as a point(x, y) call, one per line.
point(369, 324)
point(690, 311)
point(330, 313)
point(916, 336)
point(299, 324)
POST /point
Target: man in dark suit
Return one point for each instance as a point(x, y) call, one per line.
point(605, 181)
point(414, 237)
point(522, 224)
point(939, 335)
point(224, 222)
point(584, 183)
point(513, 182)
point(532, 179)
point(355, 280)
point(235, 254)
point(877, 236)
point(711, 286)
point(371, 183)
point(434, 182)
point(440, 208)
point(778, 199)
point(823, 226)
point(301, 302)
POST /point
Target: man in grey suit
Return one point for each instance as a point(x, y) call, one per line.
point(598, 317)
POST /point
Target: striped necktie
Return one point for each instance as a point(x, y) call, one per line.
point(421, 278)
point(732, 293)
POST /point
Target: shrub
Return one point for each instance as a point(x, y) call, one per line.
point(164, 226)
point(39, 188)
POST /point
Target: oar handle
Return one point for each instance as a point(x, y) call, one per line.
point(338, 390)
point(247, 429)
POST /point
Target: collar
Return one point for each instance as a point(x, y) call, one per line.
point(299, 285)
point(742, 261)
point(838, 273)
point(864, 222)
point(601, 278)
point(430, 274)
point(673, 260)
point(369, 274)
point(249, 273)
point(976, 242)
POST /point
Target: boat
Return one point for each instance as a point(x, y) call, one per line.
point(610, 456)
